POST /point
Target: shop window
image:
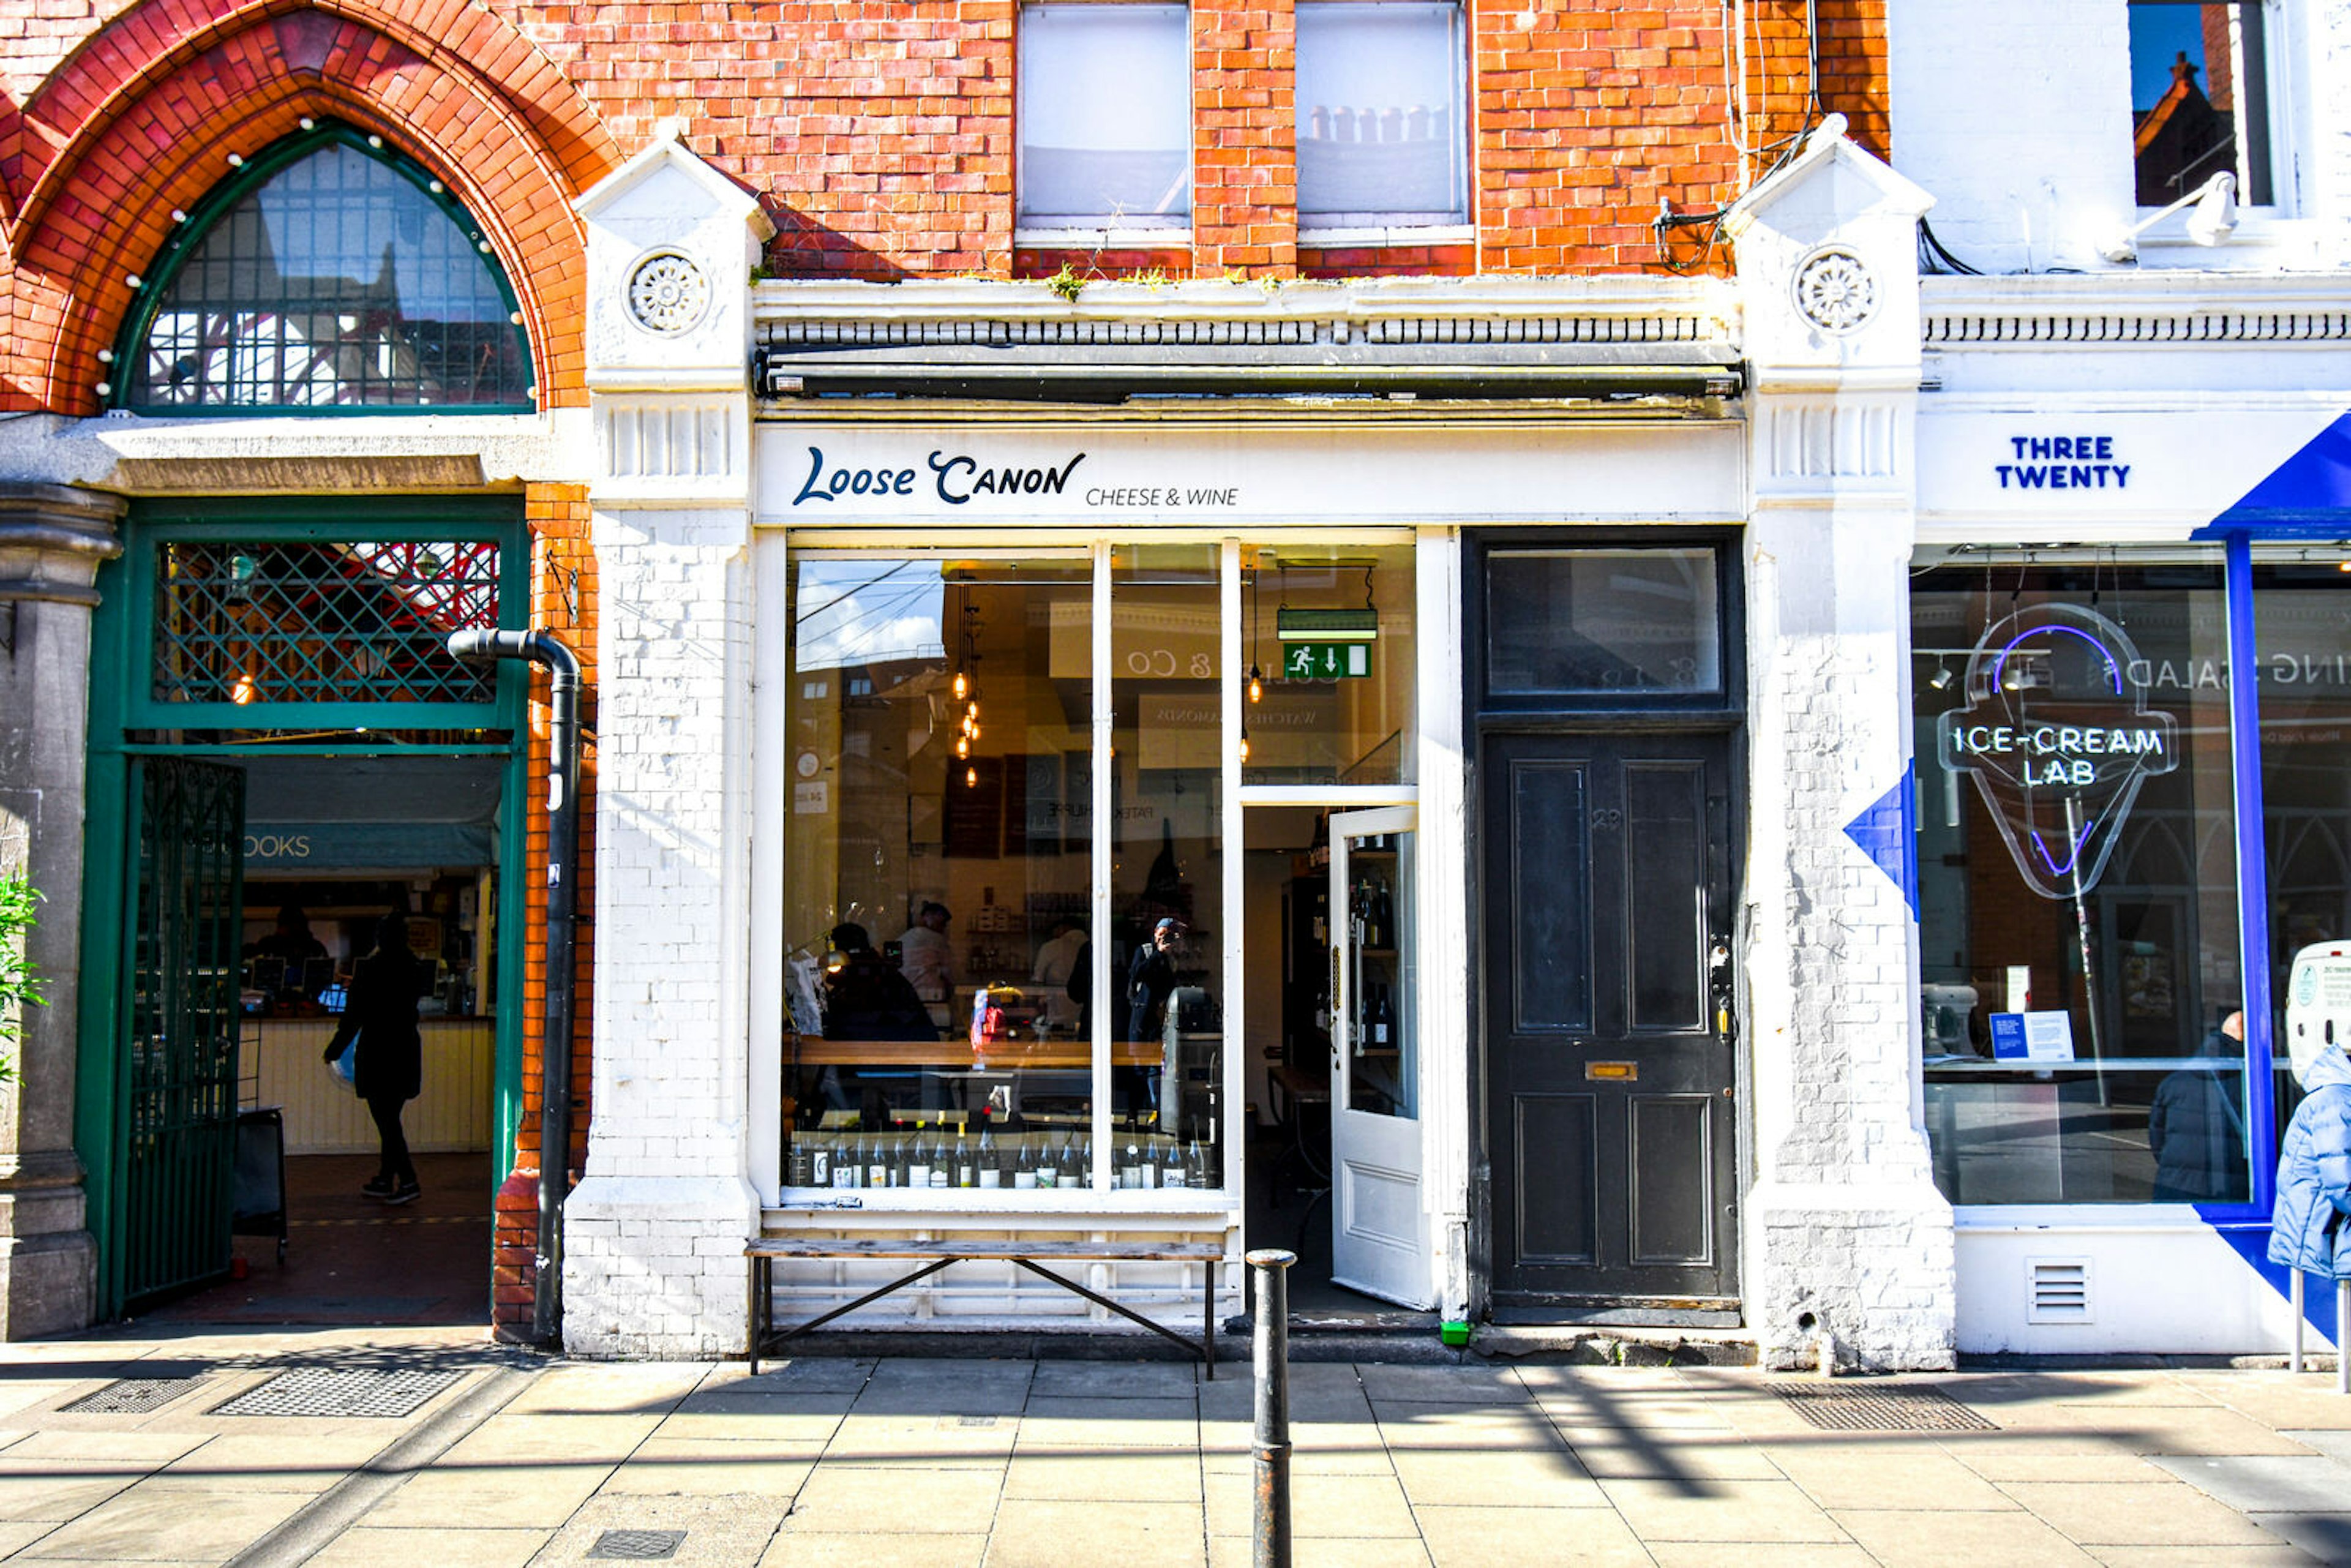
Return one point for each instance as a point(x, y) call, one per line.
point(1166, 871)
point(1380, 122)
point(1601, 623)
point(2200, 98)
point(1105, 115)
point(328, 274)
point(955, 1010)
point(2299, 613)
point(2078, 884)
point(1327, 638)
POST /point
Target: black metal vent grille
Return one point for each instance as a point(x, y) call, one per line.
point(1898, 1407)
point(134, 1396)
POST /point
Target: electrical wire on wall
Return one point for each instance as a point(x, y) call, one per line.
point(1780, 151)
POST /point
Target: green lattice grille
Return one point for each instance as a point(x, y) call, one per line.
point(254, 624)
point(180, 1072)
point(337, 280)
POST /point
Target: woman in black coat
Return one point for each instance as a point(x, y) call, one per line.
point(388, 1070)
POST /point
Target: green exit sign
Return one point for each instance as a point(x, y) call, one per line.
point(1325, 660)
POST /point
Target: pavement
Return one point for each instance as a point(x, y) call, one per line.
point(348, 1448)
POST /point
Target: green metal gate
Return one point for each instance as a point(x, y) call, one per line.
point(177, 1090)
point(227, 629)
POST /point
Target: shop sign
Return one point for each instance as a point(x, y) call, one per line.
point(2058, 735)
point(2033, 1037)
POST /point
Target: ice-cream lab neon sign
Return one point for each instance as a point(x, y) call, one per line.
point(2058, 737)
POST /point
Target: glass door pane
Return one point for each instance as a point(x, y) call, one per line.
point(1377, 987)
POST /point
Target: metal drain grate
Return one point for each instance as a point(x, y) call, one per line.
point(133, 1396)
point(320, 1391)
point(1905, 1407)
point(638, 1545)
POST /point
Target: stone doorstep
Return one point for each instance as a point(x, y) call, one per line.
point(1584, 1345)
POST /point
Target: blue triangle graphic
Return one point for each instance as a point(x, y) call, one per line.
point(1887, 832)
point(2313, 485)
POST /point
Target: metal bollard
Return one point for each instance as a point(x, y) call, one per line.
point(1272, 1355)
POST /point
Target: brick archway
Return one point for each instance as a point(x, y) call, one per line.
point(151, 135)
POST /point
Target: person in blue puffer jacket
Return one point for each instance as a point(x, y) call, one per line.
point(2310, 1228)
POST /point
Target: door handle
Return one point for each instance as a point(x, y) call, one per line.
point(1719, 988)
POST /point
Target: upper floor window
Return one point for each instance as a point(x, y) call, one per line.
point(327, 273)
point(1379, 113)
point(2200, 98)
point(1105, 116)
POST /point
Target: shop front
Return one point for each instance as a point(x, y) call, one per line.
point(1126, 880)
point(2127, 619)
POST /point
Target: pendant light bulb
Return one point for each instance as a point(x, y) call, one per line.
point(1245, 745)
point(1256, 685)
point(971, 778)
point(963, 746)
point(962, 685)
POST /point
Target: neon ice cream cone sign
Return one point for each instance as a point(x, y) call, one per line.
point(2058, 740)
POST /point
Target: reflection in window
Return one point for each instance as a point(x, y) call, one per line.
point(337, 279)
point(2200, 98)
point(2077, 884)
point(1379, 118)
point(1105, 115)
point(1318, 710)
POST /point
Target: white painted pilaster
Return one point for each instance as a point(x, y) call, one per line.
point(1846, 1236)
point(654, 1233)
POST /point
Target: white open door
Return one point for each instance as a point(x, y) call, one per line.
point(1379, 1243)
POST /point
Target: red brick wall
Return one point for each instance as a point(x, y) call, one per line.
point(563, 601)
point(881, 136)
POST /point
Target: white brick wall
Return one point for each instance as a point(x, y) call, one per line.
point(653, 1235)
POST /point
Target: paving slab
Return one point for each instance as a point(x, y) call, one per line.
point(1928, 1538)
point(1119, 1380)
point(1532, 1538)
point(1336, 1551)
point(1846, 1476)
point(1109, 1475)
point(854, 1499)
point(2136, 1514)
point(792, 1549)
point(1032, 1533)
point(718, 1532)
point(1498, 1479)
point(491, 1497)
point(370, 1548)
point(934, 1439)
point(2326, 1537)
point(147, 1524)
point(2278, 1556)
point(1054, 1420)
point(1720, 1510)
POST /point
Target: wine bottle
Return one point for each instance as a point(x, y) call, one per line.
point(1130, 1165)
point(991, 1174)
point(918, 1157)
point(1171, 1163)
point(1024, 1173)
point(1196, 1166)
point(942, 1159)
point(1048, 1171)
point(821, 1165)
point(967, 1173)
point(1382, 1020)
point(802, 1161)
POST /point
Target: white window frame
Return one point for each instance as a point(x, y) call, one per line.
point(1095, 231)
point(1340, 229)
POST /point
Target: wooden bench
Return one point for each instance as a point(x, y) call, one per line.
point(936, 1255)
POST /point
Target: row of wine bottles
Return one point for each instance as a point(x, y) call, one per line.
point(923, 1155)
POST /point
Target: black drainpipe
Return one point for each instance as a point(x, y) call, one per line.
point(562, 905)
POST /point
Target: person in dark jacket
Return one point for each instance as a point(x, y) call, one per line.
point(2308, 1229)
point(388, 1070)
point(2194, 1129)
point(866, 999)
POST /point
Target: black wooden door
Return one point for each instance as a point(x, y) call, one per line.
point(1607, 1032)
